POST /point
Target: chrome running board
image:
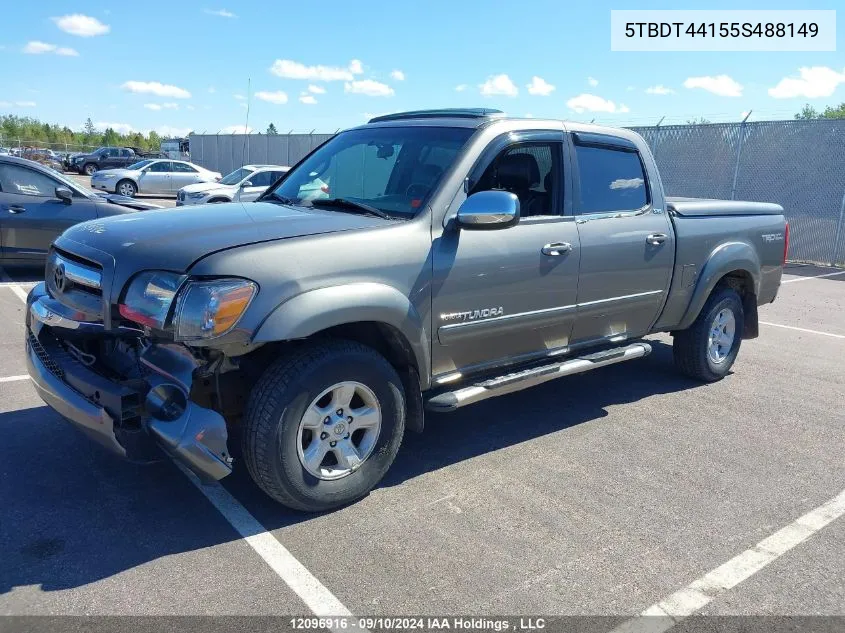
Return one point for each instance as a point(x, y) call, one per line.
point(508, 383)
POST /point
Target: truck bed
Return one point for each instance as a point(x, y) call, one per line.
point(698, 207)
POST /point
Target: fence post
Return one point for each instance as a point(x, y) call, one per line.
point(833, 259)
point(739, 153)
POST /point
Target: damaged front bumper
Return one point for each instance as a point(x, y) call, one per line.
point(128, 417)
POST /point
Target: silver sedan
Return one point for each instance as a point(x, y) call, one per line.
point(153, 176)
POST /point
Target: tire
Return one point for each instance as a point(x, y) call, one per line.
point(89, 169)
point(273, 439)
point(126, 186)
point(693, 348)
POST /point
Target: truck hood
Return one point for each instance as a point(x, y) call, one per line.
point(174, 239)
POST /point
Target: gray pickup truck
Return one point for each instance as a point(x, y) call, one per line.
point(426, 260)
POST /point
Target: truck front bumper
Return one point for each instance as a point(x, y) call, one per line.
point(130, 418)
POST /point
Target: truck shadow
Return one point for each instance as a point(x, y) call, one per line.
point(74, 514)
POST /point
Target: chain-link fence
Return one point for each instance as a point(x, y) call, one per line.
point(227, 152)
point(797, 164)
point(21, 144)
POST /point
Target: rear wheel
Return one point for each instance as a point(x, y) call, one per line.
point(89, 169)
point(708, 348)
point(323, 425)
point(126, 188)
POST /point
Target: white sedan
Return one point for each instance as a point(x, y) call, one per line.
point(244, 185)
point(153, 176)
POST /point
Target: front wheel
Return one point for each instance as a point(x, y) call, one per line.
point(708, 348)
point(90, 169)
point(323, 425)
point(126, 188)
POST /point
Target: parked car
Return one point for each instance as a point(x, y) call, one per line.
point(108, 158)
point(153, 176)
point(244, 185)
point(461, 255)
point(46, 157)
point(38, 203)
point(4, 151)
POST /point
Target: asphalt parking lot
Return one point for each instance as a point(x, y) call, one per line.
point(603, 493)
point(85, 181)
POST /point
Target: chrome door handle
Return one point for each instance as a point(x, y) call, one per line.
point(556, 248)
point(656, 238)
point(16, 209)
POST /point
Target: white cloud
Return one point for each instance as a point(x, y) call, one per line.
point(120, 128)
point(813, 82)
point(317, 90)
point(593, 103)
point(460, 87)
point(499, 85)
point(307, 99)
point(222, 13)
point(398, 75)
point(659, 89)
point(161, 106)
point(592, 81)
point(157, 89)
point(236, 129)
point(289, 69)
point(721, 85)
point(81, 25)
point(540, 86)
point(368, 87)
point(39, 48)
point(278, 97)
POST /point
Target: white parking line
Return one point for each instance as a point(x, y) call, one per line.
point(14, 378)
point(295, 575)
point(789, 281)
point(14, 287)
point(801, 329)
point(665, 614)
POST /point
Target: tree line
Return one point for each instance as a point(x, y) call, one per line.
point(32, 132)
point(808, 112)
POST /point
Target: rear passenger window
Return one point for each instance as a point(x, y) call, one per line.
point(610, 179)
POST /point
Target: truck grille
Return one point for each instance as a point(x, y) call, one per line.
point(43, 356)
point(76, 282)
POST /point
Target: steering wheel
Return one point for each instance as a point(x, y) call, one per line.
point(410, 192)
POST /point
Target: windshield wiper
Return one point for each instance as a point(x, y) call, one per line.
point(279, 198)
point(350, 204)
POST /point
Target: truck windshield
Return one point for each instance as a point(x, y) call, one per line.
point(394, 169)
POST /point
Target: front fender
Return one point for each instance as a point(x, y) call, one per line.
point(323, 308)
point(727, 258)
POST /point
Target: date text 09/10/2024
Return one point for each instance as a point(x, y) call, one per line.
point(406, 623)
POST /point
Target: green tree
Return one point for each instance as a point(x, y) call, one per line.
point(110, 137)
point(834, 113)
point(697, 121)
point(808, 112)
point(153, 141)
point(271, 129)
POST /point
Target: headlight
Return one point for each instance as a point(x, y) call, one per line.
point(196, 196)
point(207, 309)
point(103, 176)
point(149, 296)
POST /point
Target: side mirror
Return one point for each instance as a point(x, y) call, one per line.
point(488, 211)
point(64, 194)
point(246, 184)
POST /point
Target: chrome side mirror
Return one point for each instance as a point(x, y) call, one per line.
point(488, 211)
point(246, 184)
point(64, 194)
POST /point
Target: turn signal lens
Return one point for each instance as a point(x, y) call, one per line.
point(208, 309)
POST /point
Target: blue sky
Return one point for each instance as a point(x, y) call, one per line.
point(184, 65)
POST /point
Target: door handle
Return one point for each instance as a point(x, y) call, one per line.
point(656, 238)
point(556, 248)
point(16, 209)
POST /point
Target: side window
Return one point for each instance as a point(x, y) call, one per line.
point(183, 168)
point(262, 179)
point(125, 153)
point(529, 170)
point(160, 167)
point(26, 182)
point(611, 179)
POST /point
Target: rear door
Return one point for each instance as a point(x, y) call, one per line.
point(183, 174)
point(31, 216)
point(155, 178)
point(627, 244)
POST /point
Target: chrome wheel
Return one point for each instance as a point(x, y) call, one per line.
point(721, 337)
point(90, 170)
point(339, 430)
point(126, 189)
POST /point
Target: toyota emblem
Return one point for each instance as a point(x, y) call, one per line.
point(59, 277)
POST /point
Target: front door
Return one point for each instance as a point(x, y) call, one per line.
point(182, 174)
point(507, 295)
point(627, 244)
point(155, 178)
point(31, 216)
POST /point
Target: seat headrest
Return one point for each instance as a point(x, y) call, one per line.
point(518, 172)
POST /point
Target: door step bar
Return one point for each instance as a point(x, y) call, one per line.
point(508, 383)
